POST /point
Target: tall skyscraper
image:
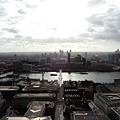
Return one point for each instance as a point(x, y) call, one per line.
point(68, 57)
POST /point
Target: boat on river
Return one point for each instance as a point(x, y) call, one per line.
point(83, 72)
point(53, 74)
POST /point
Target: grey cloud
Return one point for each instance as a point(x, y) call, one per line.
point(18, 0)
point(47, 28)
point(4, 1)
point(51, 40)
point(1, 33)
point(5, 40)
point(18, 36)
point(19, 40)
point(52, 28)
point(92, 3)
point(96, 20)
point(21, 11)
point(30, 6)
point(84, 35)
point(104, 36)
point(90, 29)
point(12, 30)
point(3, 11)
point(107, 25)
point(109, 30)
point(14, 20)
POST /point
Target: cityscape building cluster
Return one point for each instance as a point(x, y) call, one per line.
point(26, 98)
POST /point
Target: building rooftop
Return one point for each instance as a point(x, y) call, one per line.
point(29, 95)
point(39, 87)
point(36, 109)
point(94, 108)
point(37, 82)
point(116, 109)
point(87, 115)
point(9, 88)
point(29, 82)
point(25, 118)
point(109, 98)
point(114, 88)
point(48, 103)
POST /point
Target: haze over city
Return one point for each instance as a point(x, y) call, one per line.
point(50, 25)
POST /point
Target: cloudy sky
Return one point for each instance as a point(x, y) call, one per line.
point(51, 25)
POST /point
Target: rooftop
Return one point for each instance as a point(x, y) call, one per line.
point(37, 82)
point(114, 88)
point(25, 118)
point(36, 109)
point(29, 95)
point(39, 87)
point(116, 109)
point(109, 97)
point(9, 88)
point(85, 115)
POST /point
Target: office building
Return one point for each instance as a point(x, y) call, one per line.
point(115, 113)
point(21, 100)
point(25, 118)
point(8, 91)
point(87, 115)
point(105, 101)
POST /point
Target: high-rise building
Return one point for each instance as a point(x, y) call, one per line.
point(86, 55)
point(114, 58)
point(68, 57)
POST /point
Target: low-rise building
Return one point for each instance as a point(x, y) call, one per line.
point(8, 91)
point(21, 100)
point(25, 118)
point(87, 115)
point(105, 101)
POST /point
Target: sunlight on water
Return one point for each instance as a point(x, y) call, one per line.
point(95, 76)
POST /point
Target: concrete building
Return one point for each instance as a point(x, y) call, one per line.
point(114, 58)
point(25, 118)
point(8, 91)
point(105, 101)
point(115, 113)
point(1, 100)
point(87, 115)
point(21, 100)
point(27, 67)
point(69, 57)
point(39, 109)
point(95, 114)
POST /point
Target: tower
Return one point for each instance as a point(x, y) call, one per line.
point(86, 55)
point(68, 57)
point(60, 77)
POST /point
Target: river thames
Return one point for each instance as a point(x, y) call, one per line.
point(103, 77)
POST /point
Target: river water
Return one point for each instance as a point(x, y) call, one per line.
point(103, 77)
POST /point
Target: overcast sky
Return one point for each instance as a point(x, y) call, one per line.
point(51, 25)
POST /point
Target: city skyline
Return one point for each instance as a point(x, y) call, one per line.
point(51, 25)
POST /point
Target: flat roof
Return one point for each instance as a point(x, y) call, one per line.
point(36, 109)
point(83, 115)
point(39, 87)
point(24, 95)
point(109, 97)
point(114, 88)
point(9, 88)
point(116, 109)
point(25, 118)
point(30, 82)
